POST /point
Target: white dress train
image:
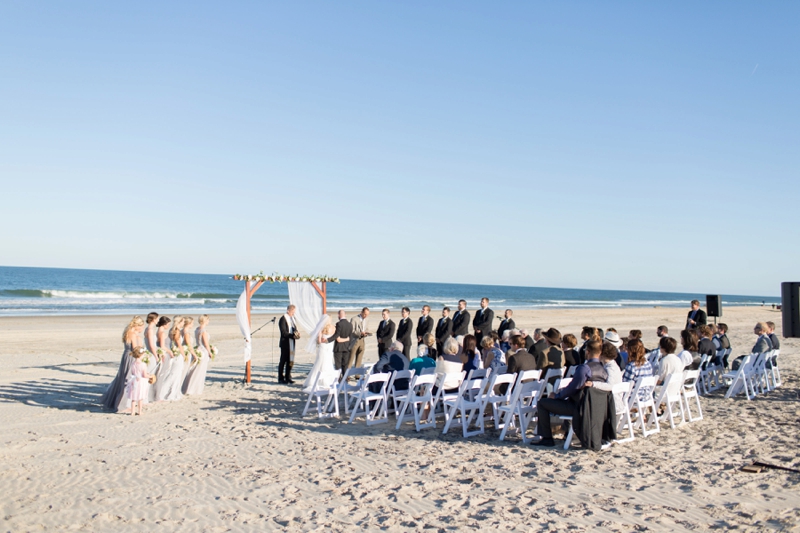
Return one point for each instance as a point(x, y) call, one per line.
point(196, 377)
point(323, 364)
point(171, 388)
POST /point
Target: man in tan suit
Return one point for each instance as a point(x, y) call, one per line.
point(360, 330)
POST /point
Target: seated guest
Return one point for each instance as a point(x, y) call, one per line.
point(634, 334)
point(571, 355)
point(669, 362)
point(470, 355)
point(723, 342)
point(504, 344)
point(763, 344)
point(662, 331)
point(450, 364)
point(776, 341)
point(520, 359)
point(689, 355)
point(705, 346)
point(528, 339)
point(552, 356)
point(565, 401)
point(608, 357)
point(539, 343)
point(638, 366)
point(493, 357)
point(586, 334)
point(429, 340)
point(422, 360)
point(612, 337)
point(391, 361)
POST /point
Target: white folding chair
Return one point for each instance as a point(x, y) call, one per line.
point(557, 373)
point(395, 394)
point(652, 357)
point(642, 404)
point(512, 409)
point(427, 370)
point(468, 404)
point(669, 395)
point(378, 413)
point(419, 397)
point(738, 379)
point(756, 374)
point(776, 373)
point(623, 392)
point(346, 389)
point(325, 386)
point(560, 384)
point(528, 405)
point(441, 395)
point(571, 371)
point(689, 391)
point(494, 397)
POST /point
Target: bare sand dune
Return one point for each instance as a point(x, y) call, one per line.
point(241, 458)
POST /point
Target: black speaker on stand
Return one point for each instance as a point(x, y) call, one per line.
point(790, 308)
point(714, 306)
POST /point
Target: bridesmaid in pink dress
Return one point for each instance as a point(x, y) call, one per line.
point(137, 385)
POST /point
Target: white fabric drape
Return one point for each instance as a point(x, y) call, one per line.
point(244, 324)
point(308, 305)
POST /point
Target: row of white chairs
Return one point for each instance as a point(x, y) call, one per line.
point(757, 374)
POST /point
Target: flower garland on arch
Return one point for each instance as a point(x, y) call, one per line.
point(279, 278)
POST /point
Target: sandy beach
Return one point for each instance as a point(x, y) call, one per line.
point(242, 459)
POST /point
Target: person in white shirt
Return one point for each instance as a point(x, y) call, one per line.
point(670, 363)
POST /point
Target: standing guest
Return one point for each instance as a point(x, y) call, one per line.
point(422, 360)
point(404, 330)
point(519, 358)
point(288, 331)
point(360, 332)
point(529, 342)
point(507, 324)
point(385, 332)
point(482, 323)
point(696, 317)
point(429, 341)
point(638, 366)
point(341, 339)
point(151, 359)
point(461, 319)
point(571, 355)
point(662, 331)
point(565, 401)
point(444, 329)
point(690, 354)
point(493, 357)
point(162, 345)
point(131, 338)
point(196, 378)
point(705, 346)
point(470, 355)
point(425, 324)
point(137, 385)
point(552, 356)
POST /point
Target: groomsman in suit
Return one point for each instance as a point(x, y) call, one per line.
point(444, 330)
point(482, 323)
point(385, 332)
point(341, 337)
point(696, 317)
point(425, 324)
point(287, 328)
point(404, 330)
point(461, 319)
point(360, 331)
point(507, 323)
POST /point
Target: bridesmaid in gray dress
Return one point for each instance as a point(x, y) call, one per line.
point(131, 338)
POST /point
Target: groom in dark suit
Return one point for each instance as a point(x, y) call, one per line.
point(482, 323)
point(341, 350)
point(288, 329)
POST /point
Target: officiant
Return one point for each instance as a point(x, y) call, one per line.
point(360, 331)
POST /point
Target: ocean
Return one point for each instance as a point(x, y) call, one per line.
point(56, 291)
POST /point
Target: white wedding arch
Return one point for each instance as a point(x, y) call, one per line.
point(309, 294)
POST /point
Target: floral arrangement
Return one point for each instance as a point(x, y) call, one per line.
point(279, 278)
point(197, 353)
point(146, 357)
point(160, 354)
point(213, 352)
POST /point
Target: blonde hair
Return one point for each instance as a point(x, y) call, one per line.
point(177, 322)
point(138, 352)
point(203, 320)
point(761, 326)
point(134, 323)
point(187, 321)
point(328, 329)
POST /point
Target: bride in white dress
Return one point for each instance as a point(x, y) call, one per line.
point(324, 351)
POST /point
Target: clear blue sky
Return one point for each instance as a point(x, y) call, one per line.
point(638, 145)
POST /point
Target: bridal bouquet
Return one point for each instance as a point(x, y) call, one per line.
point(213, 352)
point(198, 353)
point(160, 353)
